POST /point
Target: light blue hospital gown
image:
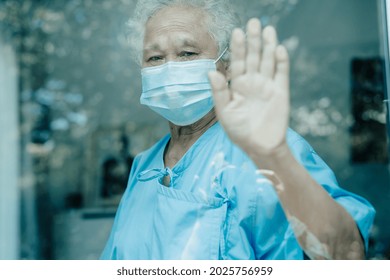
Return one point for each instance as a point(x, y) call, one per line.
point(217, 206)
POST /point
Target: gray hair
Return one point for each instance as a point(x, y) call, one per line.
point(222, 21)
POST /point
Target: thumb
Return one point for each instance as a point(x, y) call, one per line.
point(221, 93)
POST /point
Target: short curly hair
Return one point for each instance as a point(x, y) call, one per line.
point(223, 20)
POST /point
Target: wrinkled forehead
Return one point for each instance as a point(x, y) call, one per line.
point(189, 25)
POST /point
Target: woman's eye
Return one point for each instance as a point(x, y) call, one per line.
point(188, 54)
point(155, 58)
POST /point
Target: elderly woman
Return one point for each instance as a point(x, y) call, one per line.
point(231, 180)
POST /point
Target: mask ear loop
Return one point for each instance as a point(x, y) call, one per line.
point(221, 55)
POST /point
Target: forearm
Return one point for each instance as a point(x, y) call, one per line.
point(323, 228)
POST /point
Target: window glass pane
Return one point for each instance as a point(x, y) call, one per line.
point(81, 124)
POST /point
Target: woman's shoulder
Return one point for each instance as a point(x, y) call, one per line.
point(152, 152)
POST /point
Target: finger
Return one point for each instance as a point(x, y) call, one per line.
point(253, 41)
point(282, 67)
point(237, 44)
point(221, 93)
point(267, 67)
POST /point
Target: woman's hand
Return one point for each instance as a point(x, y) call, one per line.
point(254, 109)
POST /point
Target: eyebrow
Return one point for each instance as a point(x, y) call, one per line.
point(189, 43)
point(153, 47)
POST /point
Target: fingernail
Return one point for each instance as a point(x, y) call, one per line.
point(269, 33)
point(254, 22)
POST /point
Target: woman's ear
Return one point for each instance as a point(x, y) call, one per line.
point(228, 71)
point(224, 67)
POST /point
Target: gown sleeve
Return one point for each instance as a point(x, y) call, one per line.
point(274, 237)
point(358, 207)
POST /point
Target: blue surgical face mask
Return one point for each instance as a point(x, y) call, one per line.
point(179, 91)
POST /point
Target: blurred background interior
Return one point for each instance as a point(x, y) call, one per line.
point(71, 123)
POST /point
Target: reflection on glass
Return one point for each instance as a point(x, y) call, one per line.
point(80, 122)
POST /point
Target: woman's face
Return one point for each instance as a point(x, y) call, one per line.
point(177, 33)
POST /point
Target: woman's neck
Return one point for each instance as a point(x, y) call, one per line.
point(183, 137)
